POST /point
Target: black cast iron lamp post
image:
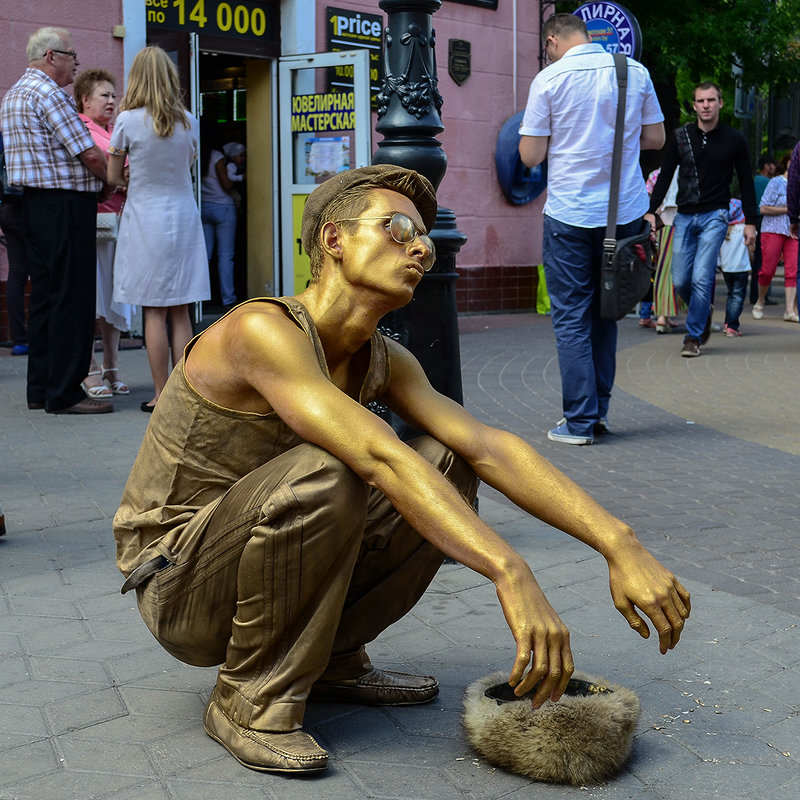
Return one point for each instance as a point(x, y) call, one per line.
point(408, 118)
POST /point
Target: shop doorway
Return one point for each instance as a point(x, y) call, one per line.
point(222, 112)
point(231, 94)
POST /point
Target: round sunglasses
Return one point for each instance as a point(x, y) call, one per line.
point(403, 230)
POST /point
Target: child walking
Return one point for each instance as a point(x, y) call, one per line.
point(734, 260)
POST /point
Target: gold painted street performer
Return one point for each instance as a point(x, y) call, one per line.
point(274, 525)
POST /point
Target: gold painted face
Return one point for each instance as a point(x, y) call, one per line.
point(403, 230)
point(370, 257)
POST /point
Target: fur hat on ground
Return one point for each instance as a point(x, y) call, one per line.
point(584, 738)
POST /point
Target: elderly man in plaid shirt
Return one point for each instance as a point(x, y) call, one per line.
point(50, 153)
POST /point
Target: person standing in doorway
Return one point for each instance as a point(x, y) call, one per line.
point(219, 216)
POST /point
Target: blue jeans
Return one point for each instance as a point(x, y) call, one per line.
point(219, 222)
point(737, 288)
point(586, 344)
point(695, 247)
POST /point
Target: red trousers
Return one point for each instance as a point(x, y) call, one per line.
point(772, 245)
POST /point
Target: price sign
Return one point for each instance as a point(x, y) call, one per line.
point(237, 18)
point(349, 30)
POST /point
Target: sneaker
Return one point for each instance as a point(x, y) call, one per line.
point(691, 348)
point(601, 427)
point(561, 434)
point(708, 328)
point(598, 429)
point(19, 350)
point(731, 332)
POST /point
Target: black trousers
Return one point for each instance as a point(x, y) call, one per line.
point(13, 225)
point(60, 231)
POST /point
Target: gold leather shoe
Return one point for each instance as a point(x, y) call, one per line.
point(377, 687)
point(295, 752)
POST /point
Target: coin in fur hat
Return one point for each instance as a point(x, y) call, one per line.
point(585, 737)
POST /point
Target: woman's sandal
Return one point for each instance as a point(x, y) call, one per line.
point(666, 326)
point(101, 392)
point(117, 386)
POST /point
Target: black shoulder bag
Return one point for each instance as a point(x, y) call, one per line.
point(628, 264)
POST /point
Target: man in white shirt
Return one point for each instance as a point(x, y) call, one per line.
point(570, 119)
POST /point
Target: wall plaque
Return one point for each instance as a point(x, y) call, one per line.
point(459, 60)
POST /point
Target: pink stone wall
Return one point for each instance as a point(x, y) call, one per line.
point(498, 262)
point(89, 21)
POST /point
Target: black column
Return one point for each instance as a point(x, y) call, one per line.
point(408, 118)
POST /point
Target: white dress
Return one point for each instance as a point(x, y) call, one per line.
point(161, 253)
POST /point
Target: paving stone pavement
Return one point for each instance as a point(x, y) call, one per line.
point(702, 461)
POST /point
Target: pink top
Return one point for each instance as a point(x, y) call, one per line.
point(102, 138)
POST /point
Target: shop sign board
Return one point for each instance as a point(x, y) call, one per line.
point(241, 19)
point(319, 113)
point(347, 29)
point(612, 26)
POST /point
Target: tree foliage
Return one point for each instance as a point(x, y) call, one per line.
point(689, 41)
point(702, 37)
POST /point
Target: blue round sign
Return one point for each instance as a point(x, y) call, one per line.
point(612, 26)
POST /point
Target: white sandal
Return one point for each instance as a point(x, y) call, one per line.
point(117, 386)
point(101, 392)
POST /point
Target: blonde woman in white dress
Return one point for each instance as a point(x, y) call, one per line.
point(161, 261)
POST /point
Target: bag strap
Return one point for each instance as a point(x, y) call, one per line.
point(621, 67)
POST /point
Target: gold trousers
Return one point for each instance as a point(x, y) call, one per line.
point(298, 566)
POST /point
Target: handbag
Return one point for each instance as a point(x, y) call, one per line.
point(629, 265)
point(107, 226)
